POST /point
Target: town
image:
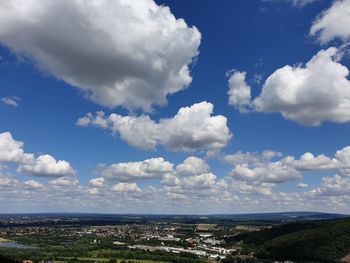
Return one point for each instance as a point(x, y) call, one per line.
point(112, 238)
point(47, 238)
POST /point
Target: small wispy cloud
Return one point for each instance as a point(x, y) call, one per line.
point(301, 3)
point(11, 101)
point(295, 3)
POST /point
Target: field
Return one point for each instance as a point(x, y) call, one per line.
point(3, 240)
point(205, 227)
point(118, 260)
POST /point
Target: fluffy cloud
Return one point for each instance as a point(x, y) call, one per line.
point(333, 23)
point(46, 165)
point(93, 191)
point(271, 167)
point(131, 171)
point(201, 181)
point(192, 165)
point(97, 182)
point(126, 188)
point(12, 150)
point(131, 53)
point(310, 94)
point(192, 180)
point(239, 91)
point(7, 181)
point(192, 177)
point(332, 186)
point(176, 196)
point(261, 172)
point(33, 185)
point(245, 188)
point(11, 101)
point(192, 128)
point(336, 185)
point(308, 162)
point(189, 192)
point(99, 120)
point(64, 181)
point(318, 92)
point(343, 156)
point(271, 173)
point(302, 185)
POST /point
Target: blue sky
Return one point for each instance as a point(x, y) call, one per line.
point(142, 63)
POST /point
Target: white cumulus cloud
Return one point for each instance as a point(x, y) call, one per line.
point(333, 23)
point(122, 52)
point(239, 91)
point(126, 188)
point(97, 182)
point(332, 186)
point(64, 181)
point(33, 185)
point(309, 94)
point(135, 171)
point(12, 150)
point(46, 165)
point(192, 128)
point(7, 181)
point(302, 185)
point(271, 167)
point(192, 165)
point(270, 172)
point(200, 181)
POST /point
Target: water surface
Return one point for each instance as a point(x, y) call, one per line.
point(15, 245)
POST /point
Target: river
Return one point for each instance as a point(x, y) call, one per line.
point(15, 245)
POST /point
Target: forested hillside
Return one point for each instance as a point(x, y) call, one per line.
point(322, 241)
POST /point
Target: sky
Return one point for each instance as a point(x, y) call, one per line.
point(179, 107)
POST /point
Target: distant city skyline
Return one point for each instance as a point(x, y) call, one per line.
point(174, 107)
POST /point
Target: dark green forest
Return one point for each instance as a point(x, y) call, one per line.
point(321, 241)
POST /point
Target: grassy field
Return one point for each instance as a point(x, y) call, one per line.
point(141, 261)
point(3, 240)
point(117, 261)
point(205, 227)
point(94, 259)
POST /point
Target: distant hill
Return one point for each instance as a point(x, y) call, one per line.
point(296, 216)
point(280, 216)
point(315, 241)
